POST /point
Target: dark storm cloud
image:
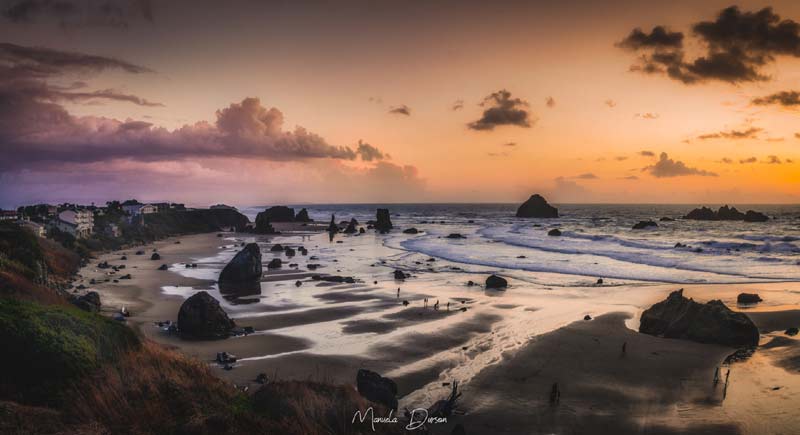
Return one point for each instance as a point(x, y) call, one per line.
point(35, 130)
point(401, 110)
point(783, 98)
point(502, 110)
point(737, 45)
point(749, 133)
point(110, 13)
point(659, 37)
point(666, 167)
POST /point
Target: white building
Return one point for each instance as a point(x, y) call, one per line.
point(79, 223)
point(36, 228)
point(137, 209)
point(8, 215)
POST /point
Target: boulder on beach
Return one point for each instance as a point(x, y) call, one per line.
point(163, 267)
point(555, 232)
point(496, 282)
point(155, 256)
point(383, 223)
point(536, 207)
point(666, 219)
point(263, 225)
point(455, 236)
point(642, 225)
point(201, 317)
point(275, 263)
point(244, 267)
point(302, 216)
point(377, 388)
point(89, 302)
point(411, 230)
point(748, 298)
point(712, 322)
point(725, 213)
point(276, 248)
point(400, 275)
point(791, 332)
point(352, 227)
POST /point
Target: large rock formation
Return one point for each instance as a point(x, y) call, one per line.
point(643, 225)
point(244, 267)
point(352, 227)
point(201, 317)
point(376, 388)
point(748, 298)
point(383, 222)
point(279, 213)
point(263, 225)
point(302, 216)
point(496, 282)
point(725, 213)
point(712, 322)
point(537, 207)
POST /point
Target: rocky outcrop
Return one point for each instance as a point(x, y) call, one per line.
point(555, 232)
point(278, 213)
point(411, 230)
point(275, 263)
point(725, 213)
point(376, 388)
point(537, 207)
point(383, 222)
point(244, 267)
point(748, 298)
point(155, 256)
point(455, 236)
point(202, 318)
point(332, 227)
point(302, 216)
point(352, 227)
point(496, 282)
point(643, 225)
point(712, 322)
point(89, 302)
point(263, 225)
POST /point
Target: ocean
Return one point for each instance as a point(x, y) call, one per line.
point(597, 240)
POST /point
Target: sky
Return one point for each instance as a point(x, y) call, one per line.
point(271, 102)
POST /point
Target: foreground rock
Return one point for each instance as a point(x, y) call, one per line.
point(725, 213)
point(713, 322)
point(748, 298)
point(555, 232)
point(88, 302)
point(202, 318)
point(278, 213)
point(383, 223)
point(496, 282)
point(537, 207)
point(244, 267)
point(376, 388)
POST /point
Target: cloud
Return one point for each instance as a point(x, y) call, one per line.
point(503, 110)
point(510, 144)
point(586, 176)
point(376, 100)
point(797, 135)
point(666, 167)
point(610, 103)
point(647, 153)
point(736, 46)
point(621, 158)
point(748, 160)
point(659, 37)
point(647, 115)
point(401, 110)
point(368, 152)
point(775, 139)
point(783, 98)
point(773, 160)
point(749, 133)
point(72, 13)
point(550, 102)
point(726, 160)
point(458, 105)
point(630, 177)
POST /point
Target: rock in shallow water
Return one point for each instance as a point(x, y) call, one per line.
point(712, 322)
point(748, 298)
point(496, 282)
point(537, 207)
point(201, 317)
point(244, 267)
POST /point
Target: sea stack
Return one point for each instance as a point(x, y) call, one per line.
point(302, 216)
point(537, 207)
point(201, 317)
point(245, 266)
point(263, 225)
point(383, 222)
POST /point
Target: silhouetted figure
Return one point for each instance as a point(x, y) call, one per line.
point(555, 394)
point(716, 376)
point(398, 292)
point(405, 303)
point(448, 306)
point(725, 390)
point(332, 228)
point(436, 305)
point(624, 347)
point(425, 303)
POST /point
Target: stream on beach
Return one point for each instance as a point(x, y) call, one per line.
point(598, 265)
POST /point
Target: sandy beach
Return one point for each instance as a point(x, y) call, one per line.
point(506, 348)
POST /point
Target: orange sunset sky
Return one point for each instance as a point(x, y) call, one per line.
point(451, 101)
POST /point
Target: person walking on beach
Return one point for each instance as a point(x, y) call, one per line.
point(436, 305)
point(448, 306)
point(624, 347)
point(398, 292)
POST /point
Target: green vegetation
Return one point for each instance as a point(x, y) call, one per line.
point(49, 348)
point(20, 251)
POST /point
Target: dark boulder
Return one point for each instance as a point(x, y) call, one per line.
point(383, 223)
point(791, 332)
point(276, 248)
point(163, 267)
point(555, 232)
point(642, 225)
point(155, 256)
point(537, 207)
point(302, 216)
point(278, 213)
point(275, 263)
point(244, 267)
point(89, 302)
point(376, 388)
point(400, 275)
point(666, 219)
point(352, 227)
point(754, 216)
point(334, 278)
point(263, 225)
point(201, 317)
point(496, 282)
point(411, 231)
point(748, 298)
point(712, 322)
point(725, 213)
point(289, 252)
point(455, 236)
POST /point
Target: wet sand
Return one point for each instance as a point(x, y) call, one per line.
point(508, 347)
